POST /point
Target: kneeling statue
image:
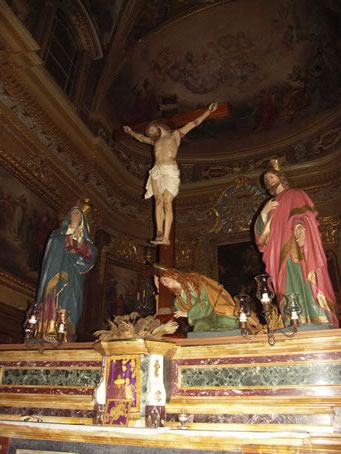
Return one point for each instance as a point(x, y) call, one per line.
point(205, 302)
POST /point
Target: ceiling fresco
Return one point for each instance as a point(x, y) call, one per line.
point(277, 64)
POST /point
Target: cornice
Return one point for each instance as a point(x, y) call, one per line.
point(314, 174)
point(309, 176)
point(316, 127)
point(16, 284)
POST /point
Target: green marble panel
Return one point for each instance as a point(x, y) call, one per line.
point(51, 377)
point(286, 375)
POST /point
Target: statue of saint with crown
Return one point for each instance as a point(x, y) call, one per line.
point(287, 234)
point(69, 255)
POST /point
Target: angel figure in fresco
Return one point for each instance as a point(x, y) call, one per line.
point(203, 301)
point(287, 234)
point(69, 255)
point(164, 178)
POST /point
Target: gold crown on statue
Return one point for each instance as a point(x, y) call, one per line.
point(275, 164)
point(84, 205)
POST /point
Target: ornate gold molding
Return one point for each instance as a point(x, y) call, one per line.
point(35, 173)
point(16, 284)
point(236, 207)
point(330, 228)
point(328, 139)
point(126, 250)
point(184, 253)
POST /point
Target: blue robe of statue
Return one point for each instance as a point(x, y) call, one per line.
point(65, 263)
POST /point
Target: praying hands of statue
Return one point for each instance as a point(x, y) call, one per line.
point(269, 206)
point(178, 314)
point(77, 234)
point(299, 234)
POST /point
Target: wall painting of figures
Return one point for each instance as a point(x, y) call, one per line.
point(26, 222)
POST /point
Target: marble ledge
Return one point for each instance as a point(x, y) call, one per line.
point(180, 348)
point(223, 439)
point(47, 347)
point(143, 431)
point(213, 338)
point(217, 338)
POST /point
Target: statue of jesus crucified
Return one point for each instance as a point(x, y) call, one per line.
point(164, 177)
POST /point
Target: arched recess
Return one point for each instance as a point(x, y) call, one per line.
point(87, 32)
point(80, 23)
point(232, 218)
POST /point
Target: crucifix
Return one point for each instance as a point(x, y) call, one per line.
point(164, 177)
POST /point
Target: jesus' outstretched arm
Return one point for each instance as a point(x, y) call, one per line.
point(137, 136)
point(197, 121)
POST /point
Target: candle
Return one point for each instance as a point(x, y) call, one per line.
point(242, 317)
point(32, 319)
point(294, 315)
point(61, 328)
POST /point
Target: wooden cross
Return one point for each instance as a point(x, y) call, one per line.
point(182, 118)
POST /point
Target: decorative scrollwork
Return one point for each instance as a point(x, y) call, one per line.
point(236, 207)
point(330, 227)
point(16, 284)
point(184, 252)
point(126, 249)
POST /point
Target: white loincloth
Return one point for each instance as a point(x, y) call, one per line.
point(167, 178)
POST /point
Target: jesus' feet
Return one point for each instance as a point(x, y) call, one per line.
point(159, 241)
